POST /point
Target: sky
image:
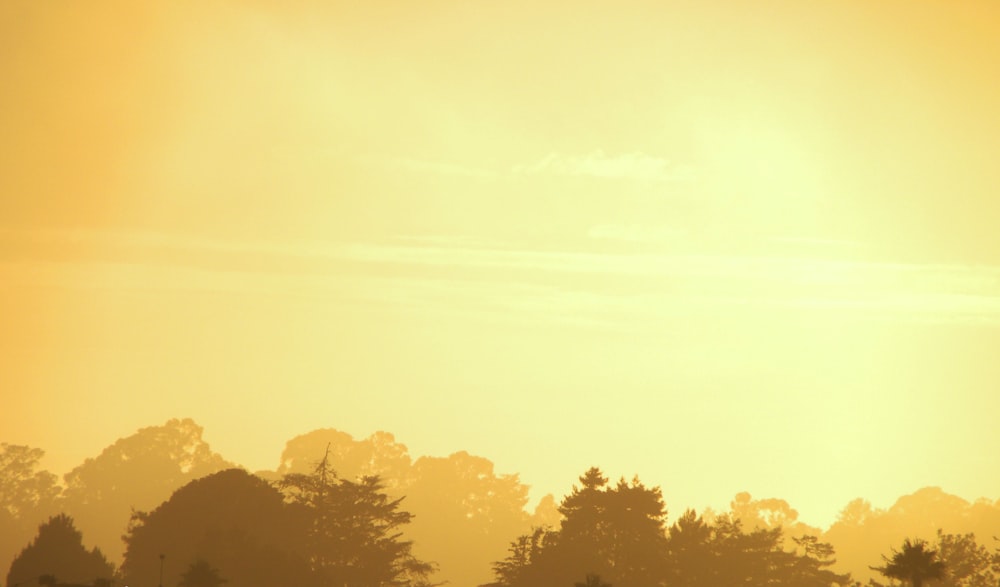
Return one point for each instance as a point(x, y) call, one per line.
point(726, 246)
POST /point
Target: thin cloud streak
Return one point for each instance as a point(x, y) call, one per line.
point(486, 278)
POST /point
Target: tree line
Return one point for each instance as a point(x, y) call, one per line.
point(337, 506)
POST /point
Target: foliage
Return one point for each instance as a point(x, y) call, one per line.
point(915, 562)
point(862, 531)
point(378, 455)
point(615, 533)
point(354, 535)
point(136, 472)
point(966, 562)
point(57, 553)
point(24, 489)
point(28, 496)
point(236, 520)
point(592, 581)
point(201, 574)
point(466, 513)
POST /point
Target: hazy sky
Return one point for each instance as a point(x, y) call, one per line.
point(728, 246)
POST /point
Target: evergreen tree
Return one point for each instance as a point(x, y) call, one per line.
point(58, 555)
point(612, 532)
point(355, 530)
point(915, 562)
point(201, 574)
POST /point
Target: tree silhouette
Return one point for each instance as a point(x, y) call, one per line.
point(967, 563)
point(915, 563)
point(136, 472)
point(27, 498)
point(57, 553)
point(593, 581)
point(614, 531)
point(861, 531)
point(23, 489)
point(464, 512)
point(354, 535)
point(236, 520)
point(201, 574)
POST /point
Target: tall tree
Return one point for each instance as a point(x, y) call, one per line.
point(58, 554)
point(915, 562)
point(615, 532)
point(691, 553)
point(464, 511)
point(355, 536)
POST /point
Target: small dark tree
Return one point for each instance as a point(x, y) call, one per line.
point(201, 574)
point(593, 581)
point(915, 563)
point(58, 554)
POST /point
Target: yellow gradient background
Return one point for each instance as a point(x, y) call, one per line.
point(728, 246)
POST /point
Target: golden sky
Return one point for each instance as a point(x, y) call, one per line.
point(728, 246)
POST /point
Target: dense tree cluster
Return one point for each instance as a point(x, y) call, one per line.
point(863, 531)
point(616, 534)
point(309, 530)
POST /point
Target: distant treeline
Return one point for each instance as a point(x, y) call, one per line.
point(340, 511)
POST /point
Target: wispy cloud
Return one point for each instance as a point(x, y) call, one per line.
point(455, 275)
point(633, 166)
point(675, 283)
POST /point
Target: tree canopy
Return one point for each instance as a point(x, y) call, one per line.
point(58, 554)
point(235, 520)
point(136, 472)
point(915, 562)
point(616, 534)
point(28, 496)
point(354, 534)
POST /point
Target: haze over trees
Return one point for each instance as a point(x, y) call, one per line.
point(617, 533)
point(57, 556)
point(27, 497)
point(915, 563)
point(236, 522)
point(337, 510)
point(137, 472)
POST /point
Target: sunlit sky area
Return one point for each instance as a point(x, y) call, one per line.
point(726, 246)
